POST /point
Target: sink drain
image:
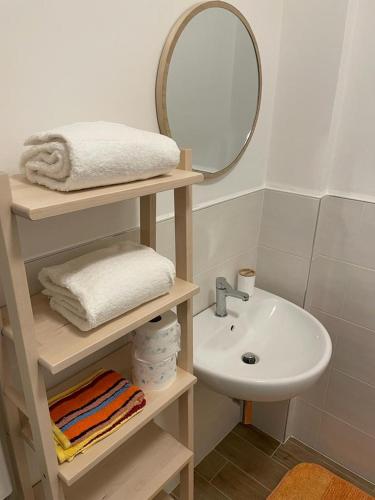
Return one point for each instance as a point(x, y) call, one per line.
point(249, 358)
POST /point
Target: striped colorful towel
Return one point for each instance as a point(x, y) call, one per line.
point(90, 411)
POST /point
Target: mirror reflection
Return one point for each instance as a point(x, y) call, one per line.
point(212, 89)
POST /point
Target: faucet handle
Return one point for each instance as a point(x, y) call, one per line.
point(222, 284)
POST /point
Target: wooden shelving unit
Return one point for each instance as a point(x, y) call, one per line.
point(136, 461)
point(61, 344)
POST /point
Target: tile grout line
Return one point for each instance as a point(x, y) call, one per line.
point(253, 445)
point(218, 471)
point(287, 252)
point(245, 473)
point(213, 486)
point(275, 450)
point(334, 316)
point(311, 256)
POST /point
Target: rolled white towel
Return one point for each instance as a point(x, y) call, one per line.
point(101, 285)
point(87, 154)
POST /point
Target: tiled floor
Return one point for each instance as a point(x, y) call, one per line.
point(248, 464)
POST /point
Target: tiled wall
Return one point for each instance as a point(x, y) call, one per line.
point(225, 238)
point(285, 243)
point(337, 415)
point(284, 257)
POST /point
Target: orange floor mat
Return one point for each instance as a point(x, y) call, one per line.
point(312, 482)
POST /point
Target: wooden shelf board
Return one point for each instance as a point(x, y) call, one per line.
point(138, 470)
point(61, 344)
point(39, 495)
point(37, 202)
point(156, 402)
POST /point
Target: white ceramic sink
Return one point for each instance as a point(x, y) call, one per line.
point(292, 346)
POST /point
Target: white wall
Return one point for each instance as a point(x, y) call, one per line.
point(310, 56)
point(92, 60)
point(323, 124)
point(353, 171)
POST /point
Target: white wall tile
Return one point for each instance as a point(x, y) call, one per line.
point(329, 322)
point(359, 302)
point(288, 222)
point(316, 395)
point(338, 228)
point(352, 401)
point(283, 274)
point(354, 352)
point(346, 231)
point(327, 285)
point(348, 446)
point(271, 418)
point(228, 269)
point(341, 294)
point(65, 231)
point(305, 422)
point(209, 430)
point(223, 231)
point(165, 239)
point(366, 242)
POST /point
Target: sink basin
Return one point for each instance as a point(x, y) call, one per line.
point(287, 348)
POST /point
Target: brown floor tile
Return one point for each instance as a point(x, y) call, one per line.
point(203, 490)
point(294, 452)
point(256, 437)
point(211, 465)
point(237, 485)
point(253, 461)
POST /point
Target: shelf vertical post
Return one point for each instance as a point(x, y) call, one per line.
point(12, 429)
point(14, 281)
point(148, 220)
point(184, 270)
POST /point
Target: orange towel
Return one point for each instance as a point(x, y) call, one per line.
point(90, 411)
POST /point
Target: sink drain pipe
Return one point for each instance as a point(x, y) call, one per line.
point(246, 408)
point(247, 412)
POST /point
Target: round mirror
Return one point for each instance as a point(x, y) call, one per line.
point(208, 86)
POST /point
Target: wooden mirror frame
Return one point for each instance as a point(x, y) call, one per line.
point(163, 70)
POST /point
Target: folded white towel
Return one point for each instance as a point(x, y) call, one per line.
point(88, 154)
point(99, 286)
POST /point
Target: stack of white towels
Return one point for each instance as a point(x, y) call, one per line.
point(88, 154)
point(101, 285)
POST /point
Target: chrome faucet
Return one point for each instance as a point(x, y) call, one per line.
point(224, 290)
